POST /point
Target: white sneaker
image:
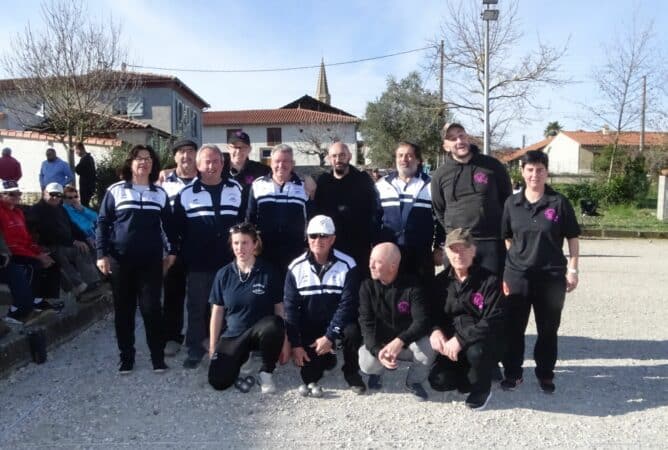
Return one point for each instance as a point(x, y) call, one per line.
point(267, 385)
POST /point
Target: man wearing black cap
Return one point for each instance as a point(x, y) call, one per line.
point(469, 311)
point(468, 191)
point(241, 169)
point(174, 180)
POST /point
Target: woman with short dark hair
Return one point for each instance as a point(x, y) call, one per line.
point(130, 248)
point(537, 274)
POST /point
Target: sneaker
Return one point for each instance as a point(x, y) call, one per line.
point(375, 382)
point(126, 366)
point(355, 382)
point(478, 400)
point(44, 305)
point(191, 362)
point(159, 366)
point(26, 318)
point(547, 385)
point(418, 391)
point(266, 382)
point(315, 390)
point(510, 384)
point(172, 348)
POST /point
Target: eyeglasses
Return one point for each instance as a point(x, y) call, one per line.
point(147, 159)
point(71, 197)
point(13, 194)
point(319, 235)
point(55, 194)
point(243, 228)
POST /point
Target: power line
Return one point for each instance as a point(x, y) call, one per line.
point(280, 69)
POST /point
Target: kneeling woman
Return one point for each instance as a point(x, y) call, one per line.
point(248, 294)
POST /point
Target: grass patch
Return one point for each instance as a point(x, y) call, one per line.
point(627, 217)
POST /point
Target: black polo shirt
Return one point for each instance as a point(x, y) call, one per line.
point(248, 301)
point(537, 231)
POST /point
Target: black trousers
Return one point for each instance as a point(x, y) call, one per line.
point(546, 293)
point(490, 254)
point(174, 295)
point(266, 336)
point(472, 370)
point(313, 370)
point(137, 283)
point(45, 282)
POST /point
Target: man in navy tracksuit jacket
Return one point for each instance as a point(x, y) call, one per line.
point(204, 212)
point(320, 299)
point(277, 205)
point(405, 199)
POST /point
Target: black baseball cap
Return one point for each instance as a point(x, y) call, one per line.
point(183, 143)
point(239, 136)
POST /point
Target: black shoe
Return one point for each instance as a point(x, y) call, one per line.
point(375, 382)
point(418, 391)
point(126, 366)
point(547, 385)
point(478, 400)
point(43, 305)
point(464, 388)
point(191, 362)
point(355, 382)
point(510, 384)
point(159, 366)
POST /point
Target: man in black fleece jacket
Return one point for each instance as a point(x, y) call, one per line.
point(394, 323)
point(468, 191)
point(469, 311)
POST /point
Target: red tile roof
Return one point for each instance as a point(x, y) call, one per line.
point(512, 156)
point(273, 117)
point(626, 138)
point(37, 136)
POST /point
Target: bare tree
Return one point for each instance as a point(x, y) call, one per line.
point(513, 81)
point(316, 139)
point(629, 57)
point(67, 77)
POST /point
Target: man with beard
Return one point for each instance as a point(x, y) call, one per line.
point(405, 199)
point(348, 196)
point(468, 191)
point(173, 181)
point(204, 211)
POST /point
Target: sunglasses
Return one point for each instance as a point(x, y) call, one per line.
point(243, 228)
point(71, 197)
point(318, 235)
point(13, 194)
point(55, 194)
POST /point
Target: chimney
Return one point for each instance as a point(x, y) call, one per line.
point(605, 129)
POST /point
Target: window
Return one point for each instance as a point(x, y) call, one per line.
point(178, 119)
point(194, 129)
point(273, 136)
point(265, 155)
point(231, 131)
point(131, 106)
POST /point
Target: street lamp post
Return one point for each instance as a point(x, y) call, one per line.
point(487, 15)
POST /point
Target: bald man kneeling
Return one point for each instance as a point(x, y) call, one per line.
point(394, 323)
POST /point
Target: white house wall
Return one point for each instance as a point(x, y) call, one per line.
point(290, 134)
point(564, 155)
point(31, 153)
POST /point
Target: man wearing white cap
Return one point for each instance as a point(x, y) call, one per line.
point(321, 302)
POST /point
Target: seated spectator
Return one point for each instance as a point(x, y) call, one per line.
point(394, 322)
point(469, 315)
point(66, 242)
point(85, 219)
point(31, 273)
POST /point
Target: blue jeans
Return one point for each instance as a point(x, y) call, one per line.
point(18, 279)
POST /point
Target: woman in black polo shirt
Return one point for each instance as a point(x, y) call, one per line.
point(248, 294)
point(535, 222)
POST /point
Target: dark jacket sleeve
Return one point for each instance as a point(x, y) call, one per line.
point(367, 318)
point(437, 297)
point(506, 229)
point(348, 306)
point(469, 331)
point(437, 199)
point(293, 305)
point(105, 223)
point(251, 208)
point(504, 185)
point(178, 222)
point(420, 325)
point(166, 217)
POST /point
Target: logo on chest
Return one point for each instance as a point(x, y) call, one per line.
point(478, 300)
point(551, 215)
point(258, 289)
point(404, 307)
point(481, 178)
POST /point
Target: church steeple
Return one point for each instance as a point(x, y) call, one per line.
point(322, 90)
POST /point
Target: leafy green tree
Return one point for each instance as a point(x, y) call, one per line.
point(552, 129)
point(405, 111)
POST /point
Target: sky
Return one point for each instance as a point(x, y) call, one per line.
point(227, 34)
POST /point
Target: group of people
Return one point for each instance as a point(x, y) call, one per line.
point(291, 268)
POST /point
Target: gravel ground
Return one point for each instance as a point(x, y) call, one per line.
point(612, 387)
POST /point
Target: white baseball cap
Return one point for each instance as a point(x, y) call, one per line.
point(54, 187)
point(321, 225)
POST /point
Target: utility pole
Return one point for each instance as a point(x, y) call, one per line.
point(442, 74)
point(487, 15)
point(642, 114)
